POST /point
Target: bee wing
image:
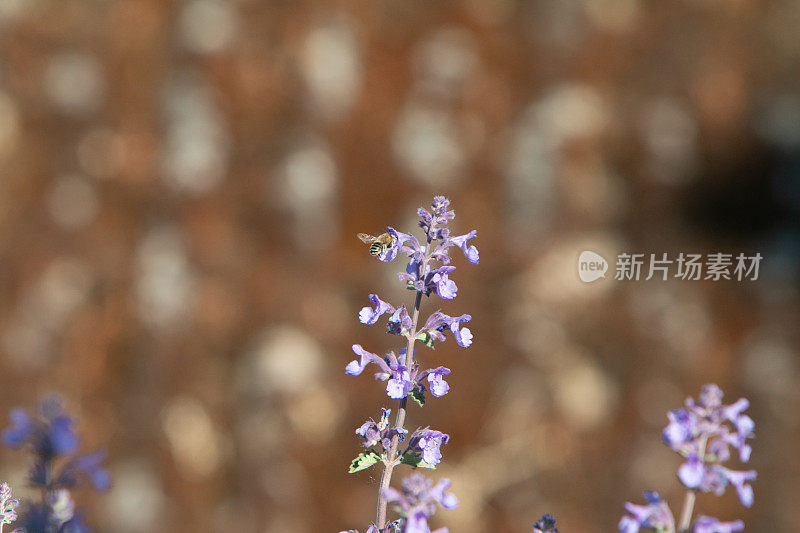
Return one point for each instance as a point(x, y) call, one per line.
point(366, 239)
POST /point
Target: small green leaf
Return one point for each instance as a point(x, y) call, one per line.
point(415, 460)
point(364, 460)
point(426, 339)
point(418, 396)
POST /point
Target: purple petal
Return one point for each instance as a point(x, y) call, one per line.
point(354, 368)
point(692, 472)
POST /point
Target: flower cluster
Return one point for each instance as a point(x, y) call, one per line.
point(704, 433)
point(546, 524)
point(416, 502)
point(427, 272)
point(380, 432)
point(8, 507)
point(53, 441)
point(400, 380)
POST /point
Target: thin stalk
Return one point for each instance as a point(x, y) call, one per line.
point(691, 495)
point(391, 462)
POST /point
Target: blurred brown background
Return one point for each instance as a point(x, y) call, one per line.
point(180, 188)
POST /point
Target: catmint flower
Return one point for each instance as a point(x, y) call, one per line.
point(706, 524)
point(432, 223)
point(656, 515)
point(400, 379)
point(370, 315)
point(427, 272)
point(416, 502)
point(438, 323)
point(428, 442)
point(52, 436)
point(8, 505)
point(400, 323)
point(380, 432)
point(703, 433)
point(470, 252)
point(439, 387)
point(546, 524)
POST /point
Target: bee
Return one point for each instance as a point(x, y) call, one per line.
point(379, 244)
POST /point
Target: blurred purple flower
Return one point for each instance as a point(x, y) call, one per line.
point(706, 524)
point(656, 515)
point(417, 499)
point(546, 524)
point(53, 440)
point(704, 432)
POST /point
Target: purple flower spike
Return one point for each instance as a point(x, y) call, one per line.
point(703, 432)
point(370, 315)
point(427, 273)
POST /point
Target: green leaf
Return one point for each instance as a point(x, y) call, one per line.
point(415, 460)
point(426, 339)
point(364, 460)
point(418, 396)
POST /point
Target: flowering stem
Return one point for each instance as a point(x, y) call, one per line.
point(386, 477)
point(688, 502)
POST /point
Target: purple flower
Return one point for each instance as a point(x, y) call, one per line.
point(380, 432)
point(400, 323)
point(546, 524)
point(416, 501)
point(439, 387)
point(444, 286)
point(439, 322)
point(90, 466)
point(400, 379)
point(370, 315)
point(703, 432)
point(470, 252)
point(355, 367)
point(706, 524)
point(8, 505)
point(16, 435)
point(692, 472)
point(433, 223)
point(428, 443)
point(52, 438)
point(400, 383)
point(656, 514)
point(53, 435)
